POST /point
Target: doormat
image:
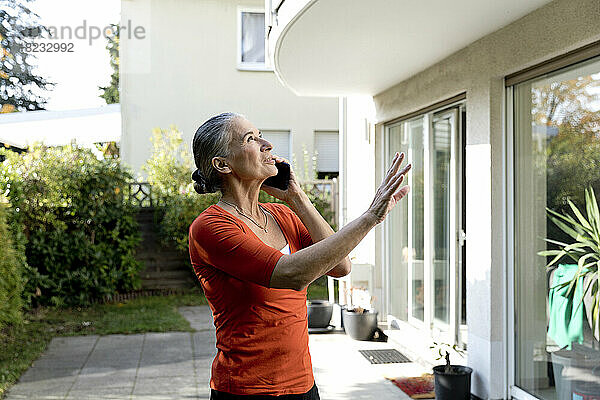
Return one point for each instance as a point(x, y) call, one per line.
point(384, 356)
point(417, 387)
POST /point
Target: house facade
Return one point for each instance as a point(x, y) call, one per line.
point(192, 59)
point(496, 106)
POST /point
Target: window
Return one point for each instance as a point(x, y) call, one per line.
point(251, 40)
point(280, 141)
point(556, 146)
point(327, 148)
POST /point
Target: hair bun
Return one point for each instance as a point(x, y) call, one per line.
point(200, 183)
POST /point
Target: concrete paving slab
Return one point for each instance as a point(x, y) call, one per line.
point(43, 374)
point(106, 378)
point(100, 393)
point(54, 388)
point(200, 318)
point(176, 386)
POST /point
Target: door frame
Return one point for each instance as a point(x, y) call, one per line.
point(450, 332)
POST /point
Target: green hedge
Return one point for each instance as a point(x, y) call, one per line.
point(11, 283)
point(79, 235)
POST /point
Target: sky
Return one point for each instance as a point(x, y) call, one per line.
point(78, 74)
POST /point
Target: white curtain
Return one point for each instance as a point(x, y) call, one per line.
point(253, 37)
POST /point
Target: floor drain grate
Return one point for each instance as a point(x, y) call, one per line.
point(385, 356)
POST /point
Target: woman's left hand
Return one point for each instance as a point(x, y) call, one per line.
point(294, 190)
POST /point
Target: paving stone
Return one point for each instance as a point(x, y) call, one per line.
point(166, 369)
point(171, 346)
point(105, 378)
point(101, 393)
point(205, 344)
point(43, 374)
point(199, 317)
point(56, 387)
point(175, 386)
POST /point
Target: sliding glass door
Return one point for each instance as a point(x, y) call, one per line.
point(556, 156)
point(423, 259)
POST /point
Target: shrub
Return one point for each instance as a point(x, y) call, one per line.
point(80, 234)
point(11, 284)
point(170, 165)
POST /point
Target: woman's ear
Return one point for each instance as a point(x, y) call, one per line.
point(220, 165)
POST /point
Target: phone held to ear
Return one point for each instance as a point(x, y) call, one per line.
point(282, 179)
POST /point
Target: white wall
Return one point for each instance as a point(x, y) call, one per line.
point(479, 70)
point(185, 71)
point(357, 168)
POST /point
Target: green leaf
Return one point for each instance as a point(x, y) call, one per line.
point(592, 209)
point(579, 216)
point(565, 228)
point(566, 218)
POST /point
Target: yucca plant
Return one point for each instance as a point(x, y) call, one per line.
point(584, 250)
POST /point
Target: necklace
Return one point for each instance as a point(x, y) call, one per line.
point(264, 228)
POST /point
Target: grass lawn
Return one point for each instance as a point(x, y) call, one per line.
point(20, 346)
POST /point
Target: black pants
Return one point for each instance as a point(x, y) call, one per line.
point(312, 394)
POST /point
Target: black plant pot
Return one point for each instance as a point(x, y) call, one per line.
point(455, 385)
point(319, 313)
point(360, 326)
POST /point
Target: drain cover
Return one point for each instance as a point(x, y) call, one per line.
point(384, 356)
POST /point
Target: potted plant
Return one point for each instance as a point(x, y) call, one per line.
point(359, 323)
point(584, 250)
point(580, 285)
point(319, 313)
point(452, 382)
point(359, 318)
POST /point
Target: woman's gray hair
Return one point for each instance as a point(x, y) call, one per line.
point(211, 140)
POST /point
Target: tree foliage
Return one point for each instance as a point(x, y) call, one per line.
point(170, 165)
point(573, 153)
point(79, 235)
point(11, 271)
point(111, 92)
point(19, 85)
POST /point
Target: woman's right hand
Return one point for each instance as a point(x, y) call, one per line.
point(389, 192)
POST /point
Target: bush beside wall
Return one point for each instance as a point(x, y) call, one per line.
point(11, 282)
point(80, 234)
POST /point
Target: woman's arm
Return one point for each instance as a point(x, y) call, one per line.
point(298, 270)
point(318, 228)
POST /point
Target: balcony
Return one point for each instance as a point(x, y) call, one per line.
point(345, 47)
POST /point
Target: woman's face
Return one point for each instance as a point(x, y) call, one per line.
point(250, 154)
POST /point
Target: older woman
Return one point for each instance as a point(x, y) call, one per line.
point(254, 260)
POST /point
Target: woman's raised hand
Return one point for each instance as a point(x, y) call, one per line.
point(389, 192)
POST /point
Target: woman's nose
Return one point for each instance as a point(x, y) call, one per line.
point(266, 145)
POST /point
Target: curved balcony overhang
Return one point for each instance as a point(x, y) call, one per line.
point(346, 47)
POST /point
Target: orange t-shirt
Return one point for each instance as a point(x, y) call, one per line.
point(262, 333)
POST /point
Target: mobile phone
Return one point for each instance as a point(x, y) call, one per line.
point(282, 179)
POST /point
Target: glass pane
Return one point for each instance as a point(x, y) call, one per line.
point(442, 129)
point(398, 235)
point(416, 176)
point(253, 37)
point(557, 155)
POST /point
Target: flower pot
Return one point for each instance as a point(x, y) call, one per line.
point(319, 313)
point(455, 385)
point(573, 369)
point(360, 326)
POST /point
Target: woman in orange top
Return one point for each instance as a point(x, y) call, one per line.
point(254, 260)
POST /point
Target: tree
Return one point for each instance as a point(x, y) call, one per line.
point(573, 153)
point(19, 86)
point(111, 92)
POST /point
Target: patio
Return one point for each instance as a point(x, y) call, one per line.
point(156, 366)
